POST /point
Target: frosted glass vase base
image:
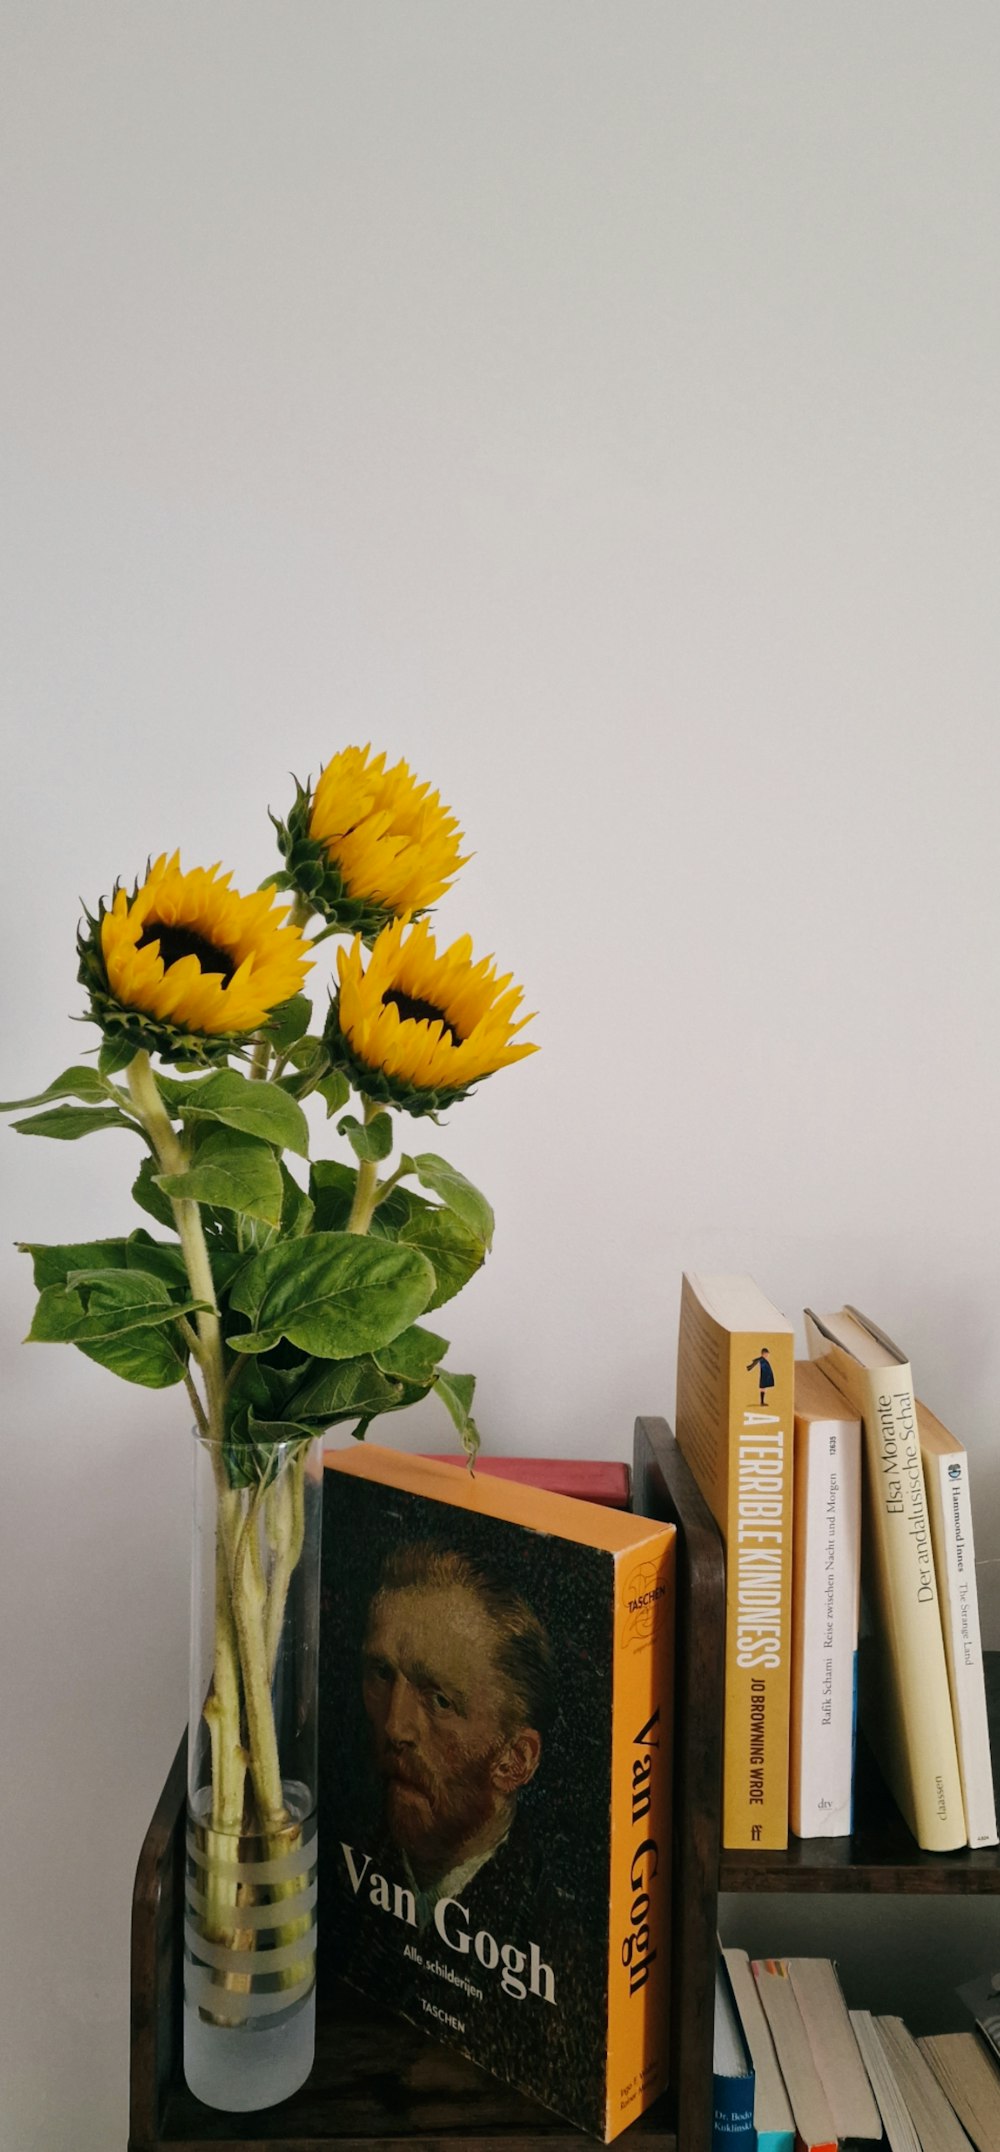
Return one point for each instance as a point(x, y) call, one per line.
point(242, 2067)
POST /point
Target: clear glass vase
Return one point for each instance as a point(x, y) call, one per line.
point(250, 1888)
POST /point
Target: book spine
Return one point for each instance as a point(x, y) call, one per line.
point(758, 1593)
point(640, 1866)
point(732, 2114)
point(949, 1502)
point(826, 1554)
point(908, 1718)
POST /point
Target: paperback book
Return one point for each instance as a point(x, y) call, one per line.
point(496, 1693)
point(733, 2128)
point(905, 1699)
point(826, 1587)
point(735, 1371)
point(946, 1472)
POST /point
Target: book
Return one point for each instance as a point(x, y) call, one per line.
point(899, 2130)
point(905, 1701)
point(815, 2128)
point(732, 2073)
point(982, 1998)
point(496, 1690)
point(971, 2080)
point(836, 2054)
point(586, 1479)
point(932, 2115)
point(826, 1585)
point(772, 2115)
point(734, 1427)
point(946, 1474)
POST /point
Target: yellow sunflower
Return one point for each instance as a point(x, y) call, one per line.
point(368, 844)
point(415, 1029)
point(185, 966)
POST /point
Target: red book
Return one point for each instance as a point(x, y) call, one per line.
point(585, 1479)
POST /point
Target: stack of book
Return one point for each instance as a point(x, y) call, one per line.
point(796, 2071)
point(844, 1507)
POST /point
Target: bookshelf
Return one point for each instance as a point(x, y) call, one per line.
point(379, 2084)
point(880, 1857)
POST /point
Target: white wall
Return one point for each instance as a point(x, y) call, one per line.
point(597, 405)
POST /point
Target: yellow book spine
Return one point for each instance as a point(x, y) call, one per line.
point(641, 1778)
point(758, 1535)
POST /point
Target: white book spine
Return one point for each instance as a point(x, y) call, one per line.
point(955, 1561)
point(825, 1588)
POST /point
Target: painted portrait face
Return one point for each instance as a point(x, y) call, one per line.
point(440, 1717)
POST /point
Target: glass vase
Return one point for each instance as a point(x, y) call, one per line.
point(250, 1878)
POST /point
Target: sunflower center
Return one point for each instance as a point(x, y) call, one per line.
point(179, 941)
point(414, 1011)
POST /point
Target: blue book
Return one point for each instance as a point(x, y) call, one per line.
point(772, 2113)
point(732, 2073)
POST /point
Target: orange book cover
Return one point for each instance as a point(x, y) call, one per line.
point(496, 1698)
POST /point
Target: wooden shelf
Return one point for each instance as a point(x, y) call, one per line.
point(882, 1855)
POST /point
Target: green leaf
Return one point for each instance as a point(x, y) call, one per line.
point(53, 1262)
point(371, 1140)
point(269, 1432)
point(296, 1207)
point(455, 1253)
point(333, 1294)
point(332, 1186)
point(287, 1024)
point(115, 1055)
point(456, 1393)
point(345, 1390)
point(233, 1172)
point(263, 1387)
point(148, 1357)
point(413, 1356)
point(81, 1082)
point(177, 1091)
point(257, 1109)
point(102, 1303)
point(68, 1122)
point(161, 1258)
point(149, 1197)
point(307, 1054)
point(457, 1193)
point(335, 1091)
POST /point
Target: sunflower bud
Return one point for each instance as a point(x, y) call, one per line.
point(368, 845)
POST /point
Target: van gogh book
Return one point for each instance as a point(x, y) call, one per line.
point(735, 1367)
point(826, 1585)
point(496, 1698)
point(905, 1698)
point(946, 1472)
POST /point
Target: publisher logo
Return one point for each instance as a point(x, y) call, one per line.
point(954, 1471)
point(645, 1605)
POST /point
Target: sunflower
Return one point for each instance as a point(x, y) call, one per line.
point(415, 1029)
point(187, 968)
point(369, 844)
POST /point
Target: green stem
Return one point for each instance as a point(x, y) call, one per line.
point(366, 1192)
point(284, 1522)
point(240, 1644)
point(173, 1158)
